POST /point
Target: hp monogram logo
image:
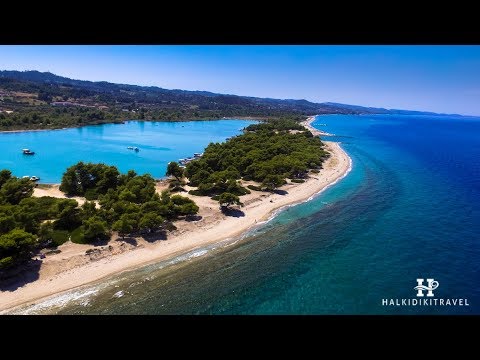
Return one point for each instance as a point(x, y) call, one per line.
point(431, 285)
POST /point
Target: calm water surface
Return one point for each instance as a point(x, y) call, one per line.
point(159, 143)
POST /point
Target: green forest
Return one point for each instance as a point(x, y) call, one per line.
point(268, 153)
point(128, 204)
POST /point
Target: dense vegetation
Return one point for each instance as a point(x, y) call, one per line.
point(282, 124)
point(23, 225)
point(127, 203)
point(45, 100)
point(267, 153)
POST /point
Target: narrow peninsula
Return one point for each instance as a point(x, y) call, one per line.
point(102, 222)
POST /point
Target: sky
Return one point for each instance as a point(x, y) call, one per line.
point(443, 79)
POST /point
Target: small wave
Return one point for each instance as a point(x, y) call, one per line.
point(185, 257)
point(82, 297)
point(198, 253)
point(119, 294)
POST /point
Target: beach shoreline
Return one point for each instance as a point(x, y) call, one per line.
point(308, 124)
point(74, 267)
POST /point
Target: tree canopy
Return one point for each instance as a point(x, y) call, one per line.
point(173, 169)
point(127, 203)
point(227, 199)
point(15, 245)
point(267, 153)
point(90, 180)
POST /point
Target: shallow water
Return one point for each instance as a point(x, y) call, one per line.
point(159, 143)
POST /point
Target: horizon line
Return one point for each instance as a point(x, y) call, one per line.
point(230, 94)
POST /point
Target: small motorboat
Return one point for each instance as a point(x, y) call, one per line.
point(28, 152)
point(133, 148)
point(34, 178)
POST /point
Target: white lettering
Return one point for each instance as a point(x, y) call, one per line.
point(420, 287)
point(431, 287)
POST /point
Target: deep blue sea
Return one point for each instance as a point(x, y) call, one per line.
point(410, 208)
point(159, 143)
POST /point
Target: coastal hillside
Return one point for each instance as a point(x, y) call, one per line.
point(36, 100)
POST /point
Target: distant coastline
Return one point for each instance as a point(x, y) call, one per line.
point(308, 124)
point(248, 118)
point(74, 266)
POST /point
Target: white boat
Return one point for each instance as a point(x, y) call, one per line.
point(34, 178)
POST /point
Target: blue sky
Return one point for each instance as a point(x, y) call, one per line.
point(430, 78)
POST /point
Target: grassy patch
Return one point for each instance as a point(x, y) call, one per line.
point(299, 181)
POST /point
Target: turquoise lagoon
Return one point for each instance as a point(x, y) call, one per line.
point(159, 143)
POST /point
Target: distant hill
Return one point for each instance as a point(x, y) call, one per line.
point(33, 99)
point(32, 81)
point(374, 110)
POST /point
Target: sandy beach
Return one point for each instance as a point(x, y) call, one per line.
point(54, 191)
point(307, 123)
point(73, 267)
